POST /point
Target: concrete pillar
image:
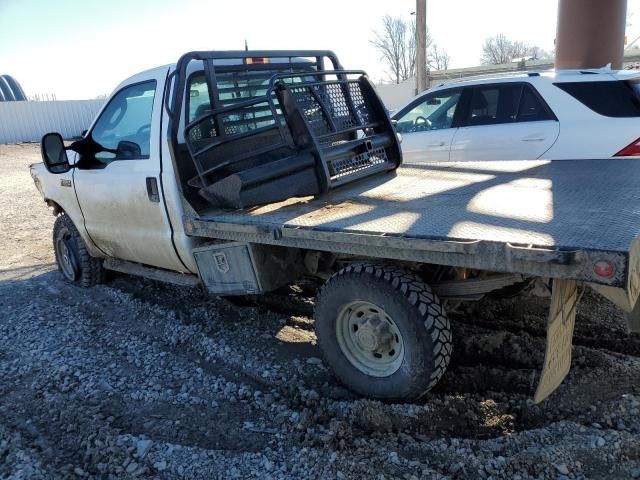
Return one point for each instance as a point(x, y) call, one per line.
point(590, 33)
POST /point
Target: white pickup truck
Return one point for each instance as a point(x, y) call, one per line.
point(242, 171)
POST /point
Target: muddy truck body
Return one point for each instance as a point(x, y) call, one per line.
point(241, 172)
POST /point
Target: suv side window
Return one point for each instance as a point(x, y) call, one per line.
point(127, 118)
point(434, 111)
point(505, 103)
point(531, 108)
point(611, 98)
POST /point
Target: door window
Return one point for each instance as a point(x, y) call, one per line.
point(434, 112)
point(505, 103)
point(124, 127)
point(531, 108)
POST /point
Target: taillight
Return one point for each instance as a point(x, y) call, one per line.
point(604, 269)
point(631, 150)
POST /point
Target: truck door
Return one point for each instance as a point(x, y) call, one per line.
point(118, 188)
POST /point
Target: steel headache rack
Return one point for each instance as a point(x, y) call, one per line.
point(278, 124)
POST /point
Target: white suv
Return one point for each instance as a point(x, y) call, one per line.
point(522, 116)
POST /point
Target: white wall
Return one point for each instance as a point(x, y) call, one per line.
point(395, 95)
point(29, 121)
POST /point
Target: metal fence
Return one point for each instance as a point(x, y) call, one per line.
point(29, 121)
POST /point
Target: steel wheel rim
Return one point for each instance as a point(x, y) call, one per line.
point(66, 258)
point(370, 339)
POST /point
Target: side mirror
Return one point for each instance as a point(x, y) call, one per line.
point(54, 153)
point(434, 101)
point(127, 150)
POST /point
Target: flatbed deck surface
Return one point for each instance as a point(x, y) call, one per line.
point(568, 204)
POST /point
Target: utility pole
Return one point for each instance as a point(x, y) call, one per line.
point(421, 46)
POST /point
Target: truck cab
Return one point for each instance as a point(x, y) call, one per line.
point(124, 200)
point(133, 174)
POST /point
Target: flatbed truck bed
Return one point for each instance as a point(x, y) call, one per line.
point(543, 218)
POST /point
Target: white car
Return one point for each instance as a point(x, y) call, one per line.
point(522, 116)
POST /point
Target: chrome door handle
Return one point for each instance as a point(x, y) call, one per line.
point(439, 144)
point(535, 139)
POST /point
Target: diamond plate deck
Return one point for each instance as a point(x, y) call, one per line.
point(567, 205)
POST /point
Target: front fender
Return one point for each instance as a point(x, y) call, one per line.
point(58, 191)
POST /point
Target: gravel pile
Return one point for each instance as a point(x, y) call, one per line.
point(135, 379)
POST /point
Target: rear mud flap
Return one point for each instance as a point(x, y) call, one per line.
point(562, 319)
point(633, 318)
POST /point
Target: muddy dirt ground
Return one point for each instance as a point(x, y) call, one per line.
point(136, 379)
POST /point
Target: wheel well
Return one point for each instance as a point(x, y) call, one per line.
point(57, 209)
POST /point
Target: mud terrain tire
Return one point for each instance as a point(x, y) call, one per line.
point(72, 257)
point(411, 308)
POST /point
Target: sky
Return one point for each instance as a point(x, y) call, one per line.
point(78, 49)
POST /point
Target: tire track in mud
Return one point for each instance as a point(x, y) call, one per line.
point(483, 397)
point(478, 372)
point(107, 330)
point(494, 383)
point(502, 358)
point(426, 422)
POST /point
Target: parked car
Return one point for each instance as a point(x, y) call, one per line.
point(525, 116)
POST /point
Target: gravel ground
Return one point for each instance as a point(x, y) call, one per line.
point(135, 379)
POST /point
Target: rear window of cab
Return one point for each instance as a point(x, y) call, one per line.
point(611, 98)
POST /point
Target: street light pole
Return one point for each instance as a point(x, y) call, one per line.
point(421, 46)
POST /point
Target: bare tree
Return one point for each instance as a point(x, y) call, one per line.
point(438, 58)
point(396, 42)
point(500, 49)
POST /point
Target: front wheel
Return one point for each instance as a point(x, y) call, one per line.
point(383, 332)
point(72, 257)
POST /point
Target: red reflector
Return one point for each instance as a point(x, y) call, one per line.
point(257, 60)
point(604, 269)
point(631, 150)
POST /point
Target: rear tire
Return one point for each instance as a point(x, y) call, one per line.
point(72, 257)
point(383, 332)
